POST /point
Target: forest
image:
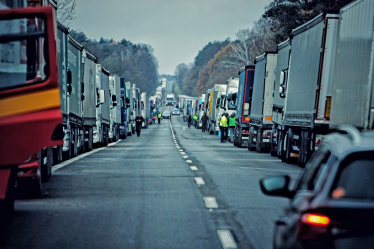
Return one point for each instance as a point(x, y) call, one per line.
point(219, 60)
point(135, 62)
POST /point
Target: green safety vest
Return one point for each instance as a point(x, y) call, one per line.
point(196, 118)
point(223, 121)
point(159, 115)
point(232, 121)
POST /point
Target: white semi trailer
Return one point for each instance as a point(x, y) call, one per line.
point(115, 108)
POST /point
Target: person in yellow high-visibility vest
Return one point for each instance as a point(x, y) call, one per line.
point(224, 128)
point(159, 117)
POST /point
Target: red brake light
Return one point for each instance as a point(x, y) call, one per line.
point(315, 219)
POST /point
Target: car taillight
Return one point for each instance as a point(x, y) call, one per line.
point(315, 219)
point(313, 226)
point(245, 131)
point(267, 133)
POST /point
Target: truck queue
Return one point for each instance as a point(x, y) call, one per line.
point(289, 99)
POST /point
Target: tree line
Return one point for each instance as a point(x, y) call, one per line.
point(220, 60)
point(135, 62)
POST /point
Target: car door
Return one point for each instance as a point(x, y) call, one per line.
point(309, 179)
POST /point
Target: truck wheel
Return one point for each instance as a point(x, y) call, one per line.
point(104, 137)
point(82, 136)
point(288, 148)
point(7, 205)
point(273, 150)
point(300, 159)
point(57, 155)
point(250, 143)
point(279, 145)
point(45, 164)
point(75, 146)
point(90, 139)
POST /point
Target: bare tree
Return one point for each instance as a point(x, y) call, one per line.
point(250, 43)
point(66, 11)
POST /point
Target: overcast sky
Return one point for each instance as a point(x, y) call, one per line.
point(176, 29)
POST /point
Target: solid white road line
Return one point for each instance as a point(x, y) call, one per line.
point(199, 181)
point(61, 165)
point(210, 202)
point(188, 161)
point(185, 156)
point(193, 168)
point(226, 238)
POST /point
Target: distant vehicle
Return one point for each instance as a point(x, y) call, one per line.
point(332, 204)
point(166, 114)
point(176, 112)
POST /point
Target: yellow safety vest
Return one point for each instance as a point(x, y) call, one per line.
point(159, 115)
point(223, 121)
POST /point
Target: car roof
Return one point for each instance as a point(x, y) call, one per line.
point(349, 140)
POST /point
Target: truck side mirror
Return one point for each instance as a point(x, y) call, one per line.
point(127, 101)
point(101, 97)
point(82, 97)
point(68, 81)
point(114, 98)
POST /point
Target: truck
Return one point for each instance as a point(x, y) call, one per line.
point(125, 104)
point(215, 110)
point(226, 103)
point(170, 99)
point(243, 105)
point(260, 119)
point(115, 108)
point(201, 109)
point(145, 106)
point(89, 98)
point(74, 98)
point(279, 94)
point(309, 87)
point(353, 90)
point(133, 105)
point(24, 78)
point(101, 129)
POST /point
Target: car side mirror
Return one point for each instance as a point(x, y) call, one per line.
point(276, 186)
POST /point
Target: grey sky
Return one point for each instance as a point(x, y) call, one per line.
point(176, 29)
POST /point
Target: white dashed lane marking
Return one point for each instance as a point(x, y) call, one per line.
point(226, 238)
point(210, 202)
point(183, 153)
point(185, 156)
point(193, 168)
point(188, 161)
point(199, 181)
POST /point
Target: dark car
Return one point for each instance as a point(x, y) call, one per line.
point(166, 114)
point(332, 203)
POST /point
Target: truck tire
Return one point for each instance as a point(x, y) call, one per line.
point(250, 143)
point(288, 158)
point(57, 155)
point(45, 164)
point(106, 136)
point(7, 205)
point(75, 145)
point(258, 142)
point(82, 136)
point(90, 139)
point(300, 159)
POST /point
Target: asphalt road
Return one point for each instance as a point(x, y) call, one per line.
point(142, 193)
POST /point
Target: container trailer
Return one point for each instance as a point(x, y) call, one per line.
point(115, 108)
point(102, 107)
point(145, 106)
point(309, 87)
point(215, 110)
point(243, 105)
point(260, 132)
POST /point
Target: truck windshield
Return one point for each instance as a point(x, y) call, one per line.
point(22, 57)
point(231, 105)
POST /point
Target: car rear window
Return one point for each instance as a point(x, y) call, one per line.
point(355, 179)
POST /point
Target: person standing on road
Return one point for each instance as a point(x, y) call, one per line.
point(204, 121)
point(224, 128)
point(139, 121)
point(232, 125)
point(196, 118)
point(159, 117)
point(189, 121)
